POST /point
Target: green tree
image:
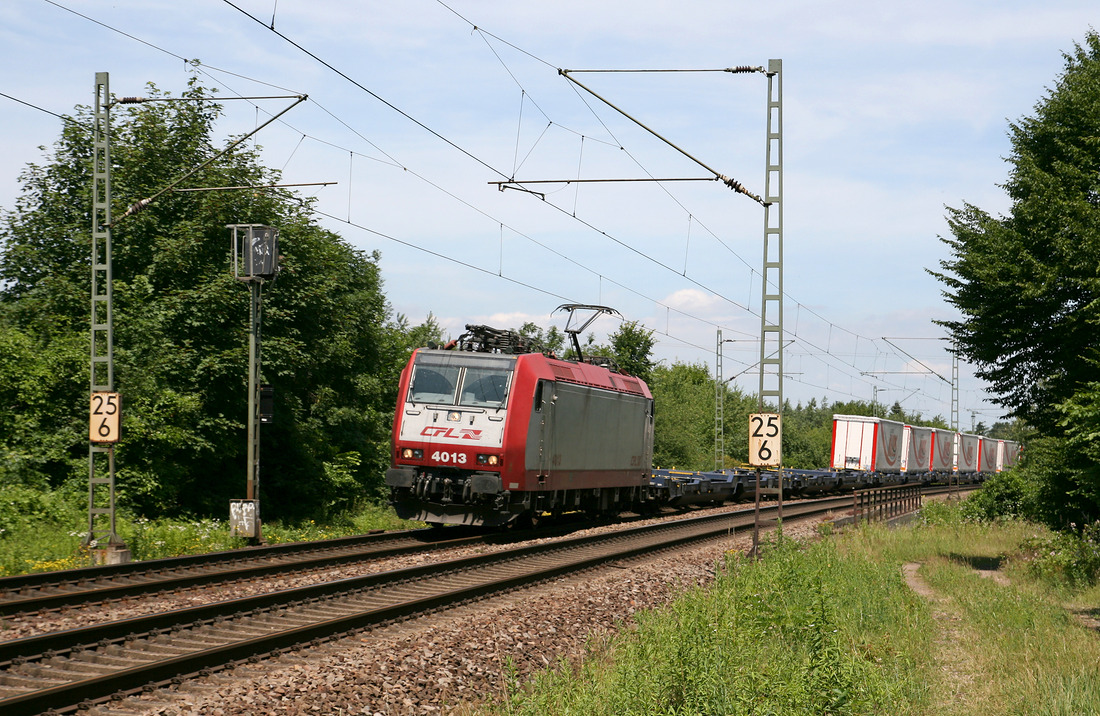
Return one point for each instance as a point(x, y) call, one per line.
point(552, 340)
point(330, 347)
point(1028, 284)
point(427, 333)
point(808, 434)
point(632, 348)
point(1028, 288)
point(683, 426)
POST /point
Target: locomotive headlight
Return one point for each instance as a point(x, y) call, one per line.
point(412, 454)
point(490, 460)
point(454, 416)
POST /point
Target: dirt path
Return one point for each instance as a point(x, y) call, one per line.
point(951, 651)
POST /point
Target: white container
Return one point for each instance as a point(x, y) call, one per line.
point(943, 450)
point(916, 454)
point(1008, 453)
point(967, 452)
point(867, 444)
point(989, 452)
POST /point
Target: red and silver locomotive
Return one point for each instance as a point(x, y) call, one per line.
point(487, 434)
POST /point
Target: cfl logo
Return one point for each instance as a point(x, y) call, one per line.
point(459, 434)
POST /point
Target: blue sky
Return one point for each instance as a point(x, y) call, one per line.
point(892, 111)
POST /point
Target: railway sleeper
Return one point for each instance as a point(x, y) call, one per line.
point(110, 660)
point(79, 666)
point(12, 686)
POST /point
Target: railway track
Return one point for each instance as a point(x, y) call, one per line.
point(69, 588)
point(65, 670)
point(57, 590)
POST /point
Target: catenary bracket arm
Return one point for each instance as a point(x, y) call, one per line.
point(140, 205)
point(728, 181)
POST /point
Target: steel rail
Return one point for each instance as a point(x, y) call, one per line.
point(54, 590)
point(85, 573)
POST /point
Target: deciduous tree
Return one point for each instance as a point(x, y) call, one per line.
point(1028, 288)
point(330, 348)
point(1028, 284)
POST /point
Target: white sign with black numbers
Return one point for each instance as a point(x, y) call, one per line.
point(104, 414)
point(765, 440)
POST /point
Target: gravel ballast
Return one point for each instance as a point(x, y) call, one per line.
point(449, 662)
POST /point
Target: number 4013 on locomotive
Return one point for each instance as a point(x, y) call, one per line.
point(490, 430)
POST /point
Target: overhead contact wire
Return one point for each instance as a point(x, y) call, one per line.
point(467, 153)
point(484, 33)
point(378, 97)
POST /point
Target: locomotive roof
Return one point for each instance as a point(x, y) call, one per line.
point(580, 373)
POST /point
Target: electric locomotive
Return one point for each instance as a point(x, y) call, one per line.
point(490, 432)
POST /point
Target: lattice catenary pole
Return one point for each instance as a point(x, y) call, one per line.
point(102, 532)
point(771, 290)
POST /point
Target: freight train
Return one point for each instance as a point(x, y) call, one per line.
point(491, 431)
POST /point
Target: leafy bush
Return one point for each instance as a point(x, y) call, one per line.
point(1067, 558)
point(1005, 495)
point(40, 530)
point(44, 531)
point(157, 539)
point(936, 513)
point(24, 508)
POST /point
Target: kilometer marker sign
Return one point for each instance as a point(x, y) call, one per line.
point(765, 440)
point(104, 413)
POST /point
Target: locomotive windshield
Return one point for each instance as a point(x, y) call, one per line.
point(461, 379)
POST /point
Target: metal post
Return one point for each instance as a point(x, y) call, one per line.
point(955, 419)
point(254, 260)
point(253, 484)
point(101, 507)
point(771, 290)
point(719, 408)
point(756, 519)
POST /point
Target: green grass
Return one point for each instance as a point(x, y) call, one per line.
point(832, 628)
point(807, 630)
point(42, 532)
point(1031, 657)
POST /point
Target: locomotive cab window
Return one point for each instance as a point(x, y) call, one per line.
point(475, 381)
point(538, 395)
point(433, 384)
point(485, 387)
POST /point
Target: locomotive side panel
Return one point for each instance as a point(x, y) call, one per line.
point(584, 437)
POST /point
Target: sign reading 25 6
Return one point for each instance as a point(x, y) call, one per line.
point(104, 414)
point(765, 440)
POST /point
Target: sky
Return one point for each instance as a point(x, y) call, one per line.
point(891, 112)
